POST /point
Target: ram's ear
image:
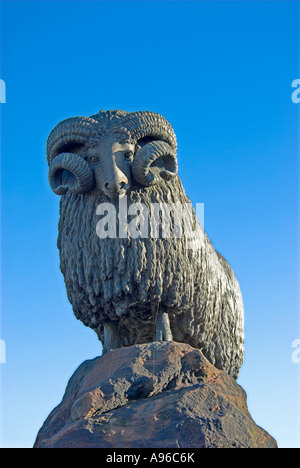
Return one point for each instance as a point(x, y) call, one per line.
point(154, 162)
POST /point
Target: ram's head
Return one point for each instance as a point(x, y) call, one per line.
point(108, 150)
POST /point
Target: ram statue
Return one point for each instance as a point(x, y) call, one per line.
point(144, 284)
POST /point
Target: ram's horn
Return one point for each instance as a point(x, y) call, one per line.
point(159, 140)
point(69, 171)
point(142, 166)
point(68, 134)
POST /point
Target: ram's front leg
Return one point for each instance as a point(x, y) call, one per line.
point(111, 336)
point(163, 329)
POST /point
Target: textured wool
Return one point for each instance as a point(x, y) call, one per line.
point(124, 281)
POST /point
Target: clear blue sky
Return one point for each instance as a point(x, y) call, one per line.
point(221, 73)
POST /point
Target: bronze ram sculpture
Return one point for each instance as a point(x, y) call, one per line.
point(142, 289)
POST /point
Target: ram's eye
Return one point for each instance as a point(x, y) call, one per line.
point(128, 155)
point(94, 159)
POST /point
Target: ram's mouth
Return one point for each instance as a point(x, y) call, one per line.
point(117, 195)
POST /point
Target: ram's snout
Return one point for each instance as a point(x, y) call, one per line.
point(114, 183)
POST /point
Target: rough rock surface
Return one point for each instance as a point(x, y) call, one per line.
point(157, 395)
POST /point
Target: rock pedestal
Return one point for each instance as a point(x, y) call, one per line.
point(155, 395)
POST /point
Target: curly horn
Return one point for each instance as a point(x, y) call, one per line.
point(142, 168)
point(160, 144)
point(68, 170)
point(72, 131)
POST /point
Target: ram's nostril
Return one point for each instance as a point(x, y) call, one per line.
point(115, 186)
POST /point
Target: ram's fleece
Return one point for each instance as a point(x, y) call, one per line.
point(137, 290)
